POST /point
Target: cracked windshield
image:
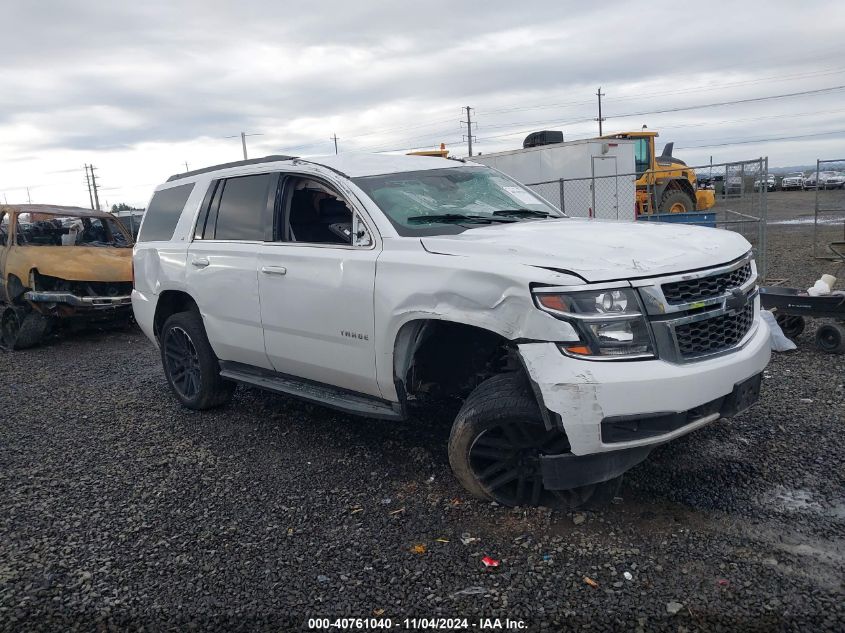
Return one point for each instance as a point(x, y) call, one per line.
point(452, 200)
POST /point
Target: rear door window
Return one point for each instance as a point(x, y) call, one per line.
point(161, 218)
point(242, 214)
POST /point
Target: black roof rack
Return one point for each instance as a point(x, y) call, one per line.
point(237, 163)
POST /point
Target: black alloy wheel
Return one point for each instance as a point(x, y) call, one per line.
point(497, 445)
point(506, 461)
point(182, 362)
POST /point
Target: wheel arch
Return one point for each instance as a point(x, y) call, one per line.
point(14, 287)
point(680, 184)
point(442, 359)
point(170, 302)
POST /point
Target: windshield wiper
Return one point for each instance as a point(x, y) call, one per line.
point(522, 213)
point(456, 218)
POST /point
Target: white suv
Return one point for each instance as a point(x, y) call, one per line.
point(380, 284)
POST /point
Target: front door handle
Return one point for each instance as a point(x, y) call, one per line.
point(274, 270)
point(200, 262)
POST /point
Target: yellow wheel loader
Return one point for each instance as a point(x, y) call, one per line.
point(664, 183)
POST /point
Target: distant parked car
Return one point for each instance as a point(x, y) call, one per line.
point(771, 184)
point(733, 185)
point(792, 181)
point(827, 180)
point(835, 181)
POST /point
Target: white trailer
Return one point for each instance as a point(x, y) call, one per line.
point(587, 178)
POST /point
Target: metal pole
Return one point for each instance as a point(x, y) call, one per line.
point(600, 119)
point(243, 142)
point(562, 203)
point(764, 213)
point(816, 213)
point(94, 186)
point(334, 138)
point(469, 131)
point(88, 180)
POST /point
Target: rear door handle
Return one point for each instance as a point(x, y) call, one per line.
point(274, 270)
point(200, 262)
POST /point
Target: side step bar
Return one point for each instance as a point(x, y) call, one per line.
point(319, 393)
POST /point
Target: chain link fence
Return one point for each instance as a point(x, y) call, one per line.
point(739, 191)
point(829, 217)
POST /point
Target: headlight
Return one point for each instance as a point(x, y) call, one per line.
point(610, 322)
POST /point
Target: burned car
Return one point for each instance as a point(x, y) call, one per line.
point(61, 265)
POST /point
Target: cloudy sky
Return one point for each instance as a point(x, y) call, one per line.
point(140, 88)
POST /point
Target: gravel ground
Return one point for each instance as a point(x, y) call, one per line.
point(120, 510)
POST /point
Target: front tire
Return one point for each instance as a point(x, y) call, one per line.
point(676, 201)
point(190, 365)
point(496, 443)
point(21, 328)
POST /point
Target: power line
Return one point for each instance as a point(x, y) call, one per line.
point(765, 140)
point(677, 109)
point(734, 84)
point(734, 102)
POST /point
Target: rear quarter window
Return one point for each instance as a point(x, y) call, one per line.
point(163, 214)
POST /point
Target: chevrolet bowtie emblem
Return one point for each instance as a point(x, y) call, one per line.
point(736, 301)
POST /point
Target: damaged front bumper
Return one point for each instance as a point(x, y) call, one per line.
point(70, 299)
point(615, 413)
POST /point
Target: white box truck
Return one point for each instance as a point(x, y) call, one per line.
point(598, 175)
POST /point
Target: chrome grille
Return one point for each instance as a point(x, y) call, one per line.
point(716, 334)
point(691, 290)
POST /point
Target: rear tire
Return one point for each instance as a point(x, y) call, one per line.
point(831, 338)
point(675, 201)
point(190, 365)
point(792, 326)
point(21, 328)
point(495, 445)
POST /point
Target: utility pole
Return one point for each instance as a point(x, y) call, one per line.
point(88, 180)
point(334, 138)
point(28, 199)
point(186, 166)
point(94, 187)
point(600, 94)
point(469, 129)
point(243, 140)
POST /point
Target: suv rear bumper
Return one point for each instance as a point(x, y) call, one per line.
point(669, 399)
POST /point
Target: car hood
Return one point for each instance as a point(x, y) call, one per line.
point(597, 250)
point(76, 263)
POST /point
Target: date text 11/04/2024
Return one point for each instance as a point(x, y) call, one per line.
point(447, 624)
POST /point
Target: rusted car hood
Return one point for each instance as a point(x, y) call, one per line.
point(597, 250)
point(74, 263)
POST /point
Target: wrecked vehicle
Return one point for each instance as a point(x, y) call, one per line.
point(377, 285)
point(60, 265)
